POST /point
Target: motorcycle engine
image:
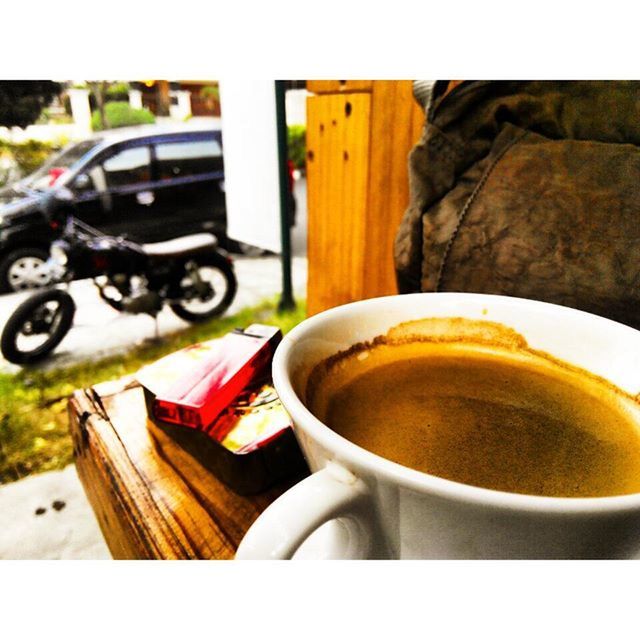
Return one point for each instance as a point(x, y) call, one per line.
point(131, 295)
point(148, 302)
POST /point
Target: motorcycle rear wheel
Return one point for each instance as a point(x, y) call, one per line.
point(219, 268)
point(56, 325)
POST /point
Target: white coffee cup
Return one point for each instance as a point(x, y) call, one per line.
point(361, 505)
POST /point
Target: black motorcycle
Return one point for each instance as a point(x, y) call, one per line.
point(189, 273)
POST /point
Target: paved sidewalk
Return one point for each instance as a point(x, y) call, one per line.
point(48, 516)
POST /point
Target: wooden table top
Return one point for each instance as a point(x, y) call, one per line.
point(151, 498)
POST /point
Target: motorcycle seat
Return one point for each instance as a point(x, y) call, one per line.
point(181, 246)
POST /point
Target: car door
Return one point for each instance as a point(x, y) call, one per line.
point(189, 193)
point(119, 193)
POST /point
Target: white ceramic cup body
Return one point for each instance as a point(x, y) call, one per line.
point(385, 510)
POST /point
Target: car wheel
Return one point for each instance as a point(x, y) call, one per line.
point(22, 269)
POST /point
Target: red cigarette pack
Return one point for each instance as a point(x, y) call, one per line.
point(250, 444)
point(195, 400)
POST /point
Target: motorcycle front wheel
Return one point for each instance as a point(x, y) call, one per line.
point(210, 285)
point(37, 326)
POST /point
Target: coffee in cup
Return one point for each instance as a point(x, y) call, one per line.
point(469, 401)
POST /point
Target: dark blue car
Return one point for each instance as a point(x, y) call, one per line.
point(150, 183)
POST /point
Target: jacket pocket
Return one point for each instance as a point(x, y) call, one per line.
point(553, 220)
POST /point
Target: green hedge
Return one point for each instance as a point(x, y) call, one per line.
point(118, 92)
point(31, 154)
point(297, 145)
point(121, 114)
point(25, 157)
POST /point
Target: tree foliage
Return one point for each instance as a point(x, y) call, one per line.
point(21, 101)
point(297, 145)
point(120, 114)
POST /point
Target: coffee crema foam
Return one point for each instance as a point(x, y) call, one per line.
point(470, 401)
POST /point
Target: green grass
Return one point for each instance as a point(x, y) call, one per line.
point(34, 435)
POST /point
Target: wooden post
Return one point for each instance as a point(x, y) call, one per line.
point(164, 100)
point(151, 498)
point(359, 134)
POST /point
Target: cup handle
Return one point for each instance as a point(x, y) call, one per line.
point(330, 493)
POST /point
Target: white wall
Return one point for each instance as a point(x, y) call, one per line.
point(251, 161)
point(296, 105)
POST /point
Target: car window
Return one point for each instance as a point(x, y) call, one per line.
point(178, 159)
point(127, 167)
point(43, 177)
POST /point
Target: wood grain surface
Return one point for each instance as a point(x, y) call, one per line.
point(396, 126)
point(338, 86)
point(337, 175)
point(151, 498)
point(358, 186)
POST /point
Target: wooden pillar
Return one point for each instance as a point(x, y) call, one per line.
point(164, 99)
point(359, 134)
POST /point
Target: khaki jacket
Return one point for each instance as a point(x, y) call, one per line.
point(528, 189)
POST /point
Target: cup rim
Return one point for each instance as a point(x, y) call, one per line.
point(350, 454)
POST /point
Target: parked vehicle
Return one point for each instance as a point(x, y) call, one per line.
point(150, 182)
point(189, 273)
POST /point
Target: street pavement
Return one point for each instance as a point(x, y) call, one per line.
point(47, 516)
